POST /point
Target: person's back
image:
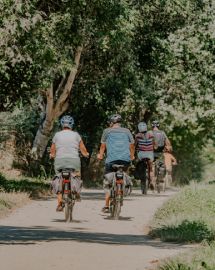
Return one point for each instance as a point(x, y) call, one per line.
point(65, 152)
point(67, 144)
point(144, 144)
point(118, 143)
point(117, 140)
point(144, 141)
point(161, 139)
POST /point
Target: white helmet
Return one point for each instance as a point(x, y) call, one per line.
point(67, 121)
point(142, 127)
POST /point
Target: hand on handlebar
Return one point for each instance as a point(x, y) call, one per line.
point(132, 158)
point(100, 156)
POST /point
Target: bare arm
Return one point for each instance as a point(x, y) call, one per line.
point(52, 151)
point(168, 144)
point(174, 161)
point(132, 150)
point(101, 151)
point(83, 149)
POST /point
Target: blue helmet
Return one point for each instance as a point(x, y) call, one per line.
point(67, 121)
point(142, 127)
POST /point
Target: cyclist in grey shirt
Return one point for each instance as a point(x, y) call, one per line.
point(65, 148)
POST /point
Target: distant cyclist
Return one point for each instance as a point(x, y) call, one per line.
point(161, 139)
point(170, 160)
point(161, 142)
point(65, 150)
point(118, 143)
point(145, 144)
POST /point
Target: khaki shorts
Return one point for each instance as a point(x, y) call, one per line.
point(67, 163)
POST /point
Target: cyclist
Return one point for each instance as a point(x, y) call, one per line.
point(145, 144)
point(161, 139)
point(169, 161)
point(65, 148)
point(118, 143)
point(161, 142)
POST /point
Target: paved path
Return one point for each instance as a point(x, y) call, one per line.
point(36, 237)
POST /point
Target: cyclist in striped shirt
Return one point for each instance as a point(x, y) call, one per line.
point(145, 144)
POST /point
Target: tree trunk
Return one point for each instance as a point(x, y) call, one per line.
point(54, 109)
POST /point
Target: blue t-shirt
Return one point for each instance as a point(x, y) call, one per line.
point(117, 142)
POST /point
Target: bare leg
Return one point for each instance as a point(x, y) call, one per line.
point(59, 198)
point(107, 200)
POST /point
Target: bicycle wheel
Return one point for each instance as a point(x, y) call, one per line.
point(117, 209)
point(142, 167)
point(144, 186)
point(69, 205)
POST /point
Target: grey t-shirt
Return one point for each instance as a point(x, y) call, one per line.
point(67, 144)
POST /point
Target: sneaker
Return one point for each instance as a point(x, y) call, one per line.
point(105, 209)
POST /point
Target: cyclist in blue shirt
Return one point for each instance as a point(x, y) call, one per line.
point(118, 143)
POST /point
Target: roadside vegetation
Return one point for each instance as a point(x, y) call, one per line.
point(189, 217)
point(202, 258)
point(32, 187)
point(10, 201)
point(15, 193)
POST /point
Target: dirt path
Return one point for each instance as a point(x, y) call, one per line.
point(36, 237)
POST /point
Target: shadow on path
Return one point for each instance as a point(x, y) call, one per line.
point(10, 235)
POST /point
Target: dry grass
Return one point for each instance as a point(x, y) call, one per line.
point(10, 201)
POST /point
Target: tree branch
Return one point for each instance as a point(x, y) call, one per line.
point(68, 87)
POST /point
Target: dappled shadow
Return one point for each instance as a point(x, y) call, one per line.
point(10, 235)
point(120, 218)
point(92, 196)
point(73, 221)
point(151, 195)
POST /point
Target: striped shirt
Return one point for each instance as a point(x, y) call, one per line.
point(144, 142)
point(117, 142)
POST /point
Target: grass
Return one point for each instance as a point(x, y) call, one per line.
point(202, 258)
point(33, 187)
point(15, 193)
point(10, 201)
point(188, 217)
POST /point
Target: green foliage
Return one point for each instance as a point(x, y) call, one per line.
point(33, 188)
point(189, 216)
point(186, 231)
point(144, 59)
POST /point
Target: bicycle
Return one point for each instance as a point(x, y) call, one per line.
point(160, 172)
point(117, 191)
point(69, 193)
point(142, 169)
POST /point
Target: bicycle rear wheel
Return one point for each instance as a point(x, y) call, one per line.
point(117, 209)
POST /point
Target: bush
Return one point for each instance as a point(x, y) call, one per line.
point(32, 187)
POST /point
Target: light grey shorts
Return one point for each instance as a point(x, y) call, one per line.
point(145, 154)
point(67, 163)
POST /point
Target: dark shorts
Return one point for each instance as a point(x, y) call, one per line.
point(109, 168)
